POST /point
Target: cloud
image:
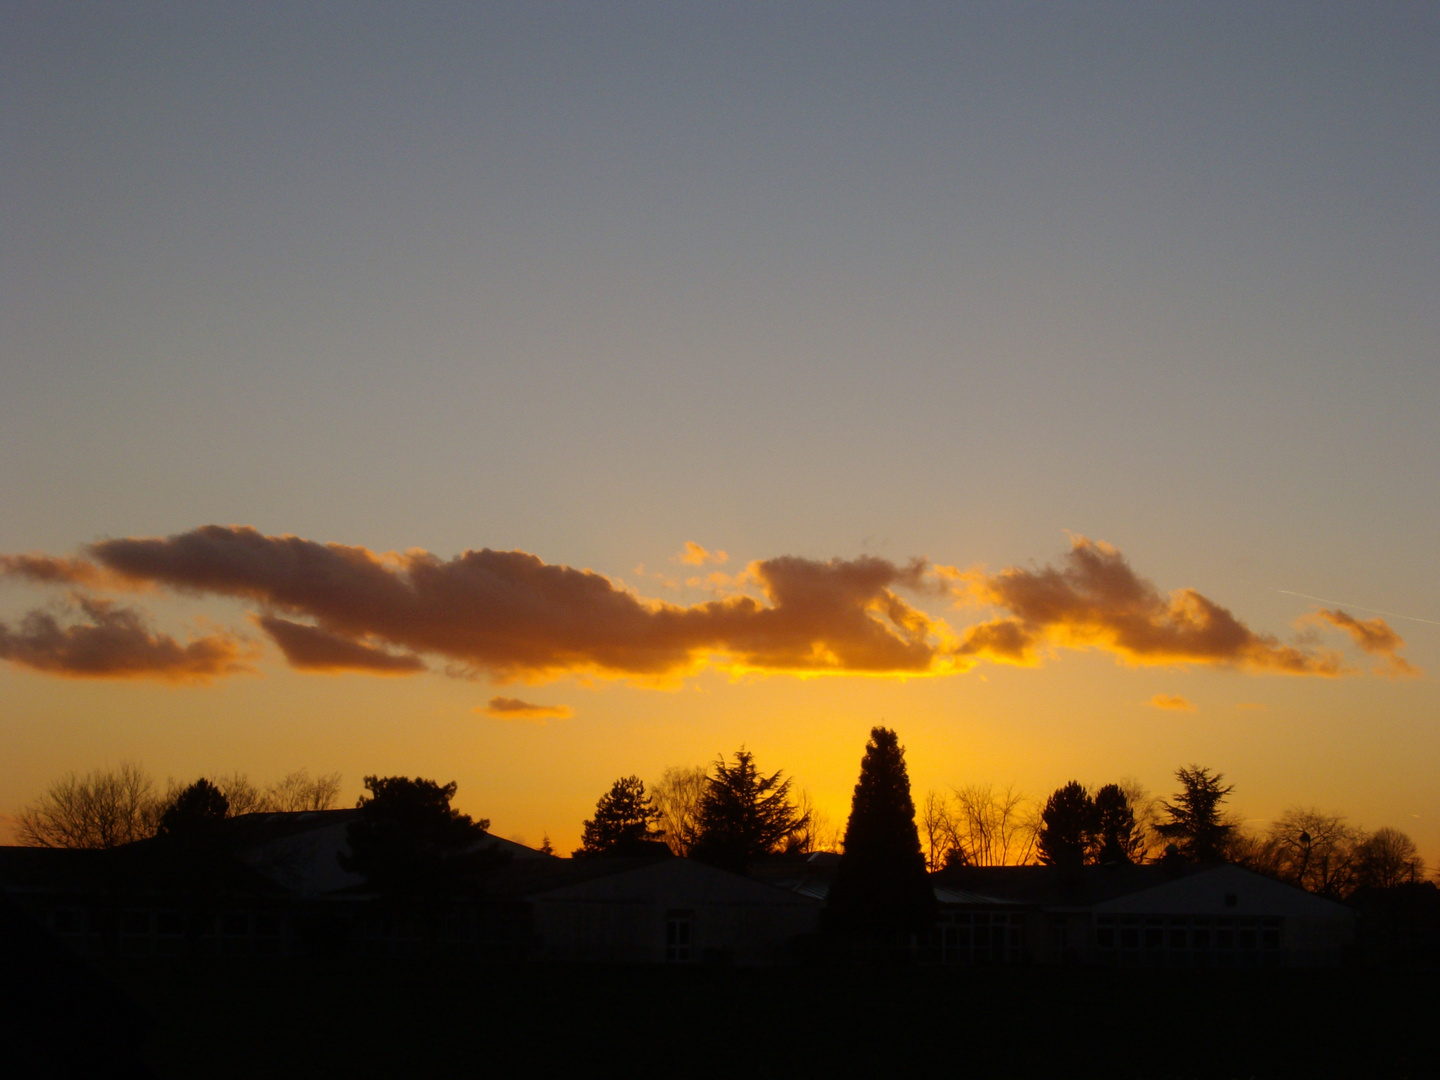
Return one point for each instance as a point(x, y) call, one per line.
point(1171, 701)
point(114, 642)
point(509, 708)
point(513, 616)
point(695, 555)
point(312, 649)
point(1374, 637)
point(56, 570)
point(1093, 599)
point(1003, 640)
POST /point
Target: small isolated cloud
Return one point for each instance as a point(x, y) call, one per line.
point(509, 708)
point(1375, 637)
point(695, 555)
point(1171, 701)
point(115, 643)
point(311, 649)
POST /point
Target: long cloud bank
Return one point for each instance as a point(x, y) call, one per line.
point(512, 616)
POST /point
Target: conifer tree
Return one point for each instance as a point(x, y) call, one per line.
point(409, 840)
point(624, 818)
point(1115, 833)
point(194, 813)
point(744, 815)
point(1196, 828)
point(881, 890)
point(1067, 826)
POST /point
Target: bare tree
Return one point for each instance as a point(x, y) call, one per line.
point(102, 809)
point(298, 792)
point(1316, 851)
point(1146, 807)
point(1387, 858)
point(677, 796)
point(938, 832)
point(242, 796)
point(995, 828)
point(817, 833)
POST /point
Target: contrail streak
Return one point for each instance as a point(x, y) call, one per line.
point(1360, 607)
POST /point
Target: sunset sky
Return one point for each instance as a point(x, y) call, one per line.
point(533, 394)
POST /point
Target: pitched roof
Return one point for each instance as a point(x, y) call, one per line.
point(159, 864)
point(1054, 886)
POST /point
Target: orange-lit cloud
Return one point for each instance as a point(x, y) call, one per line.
point(1374, 637)
point(56, 570)
point(511, 616)
point(509, 708)
point(1171, 701)
point(114, 642)
point(516, 617)
point(695, 555)
point(312, 649)
point(1093, 599)
point(1005, 641)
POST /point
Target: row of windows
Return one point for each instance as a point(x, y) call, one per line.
point(143, 932)
point(1190, 940)
point(979, 937)
point(141, 922)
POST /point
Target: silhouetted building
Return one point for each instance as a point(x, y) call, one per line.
point(1171, 916)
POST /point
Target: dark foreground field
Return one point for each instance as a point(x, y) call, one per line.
point(361, 1021)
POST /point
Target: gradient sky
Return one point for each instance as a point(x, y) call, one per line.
point(972, 284)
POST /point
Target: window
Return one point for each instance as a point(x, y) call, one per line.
point(980, 937)
point(679, 937)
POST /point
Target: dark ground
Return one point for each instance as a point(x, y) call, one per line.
point(360, 1021)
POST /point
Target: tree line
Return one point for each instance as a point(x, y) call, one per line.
point(105, 808)
point(732, 813)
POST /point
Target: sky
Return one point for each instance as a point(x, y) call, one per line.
point(529, 395)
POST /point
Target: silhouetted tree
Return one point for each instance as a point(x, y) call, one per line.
point(624, 819)
point(1195, 826)
point(744, 814)
point(1313, 850)
point(677, 796)
point(1116, 838)
point(993, 827)
point(881, 890)
point(194, 813)
point(1067, 826)
point(939, 834)
point(817, 833)
point(297, 792)
point(1147, 810)
point(408, 838)
point(1387, 858)
point(102, 809)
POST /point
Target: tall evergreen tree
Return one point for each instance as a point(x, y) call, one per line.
point(744, 815)
point(1115, 838)
point(1196, 828)
point(1067, 826)
point(624, 818)
point(881, 890)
